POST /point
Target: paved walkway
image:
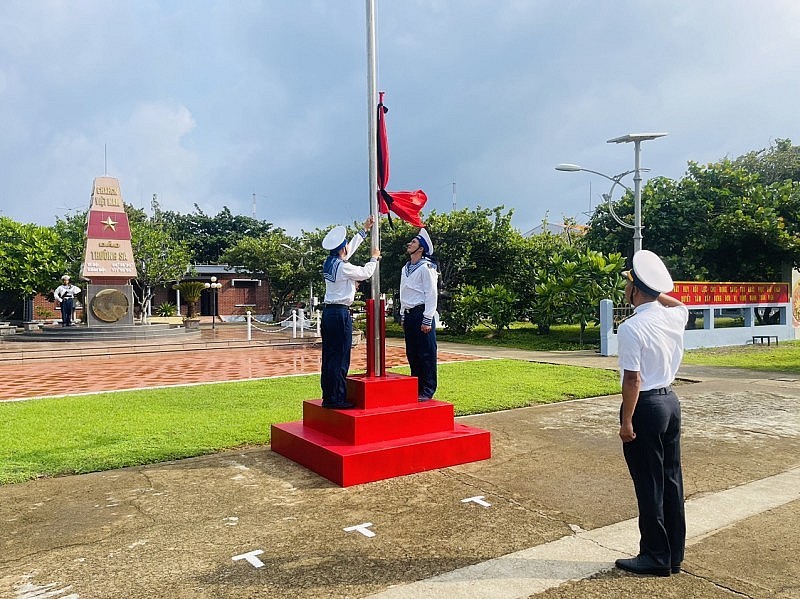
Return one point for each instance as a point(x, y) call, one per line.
point(49, 370)
point(544, 517)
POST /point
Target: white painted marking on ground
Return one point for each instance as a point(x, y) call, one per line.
point(32, 591)
point(534, 570)
point(362, 528)
point(137, 544)
point(251, 558)
point(231, 521)
point(479, 499)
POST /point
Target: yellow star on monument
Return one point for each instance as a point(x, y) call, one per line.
point(109, 224)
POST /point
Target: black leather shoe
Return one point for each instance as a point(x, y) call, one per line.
point(641, 565)
point(339, 406)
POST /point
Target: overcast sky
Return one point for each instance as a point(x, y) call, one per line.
point(210, 102)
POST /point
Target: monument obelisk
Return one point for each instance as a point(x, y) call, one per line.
point(108, 262)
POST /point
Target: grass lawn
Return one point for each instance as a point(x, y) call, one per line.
point(69, 435)
point(773, 358)
point(522, 335)
point(781, 358)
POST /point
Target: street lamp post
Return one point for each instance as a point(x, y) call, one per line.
point(615, 180)
point(637, 139)
point(214, 287)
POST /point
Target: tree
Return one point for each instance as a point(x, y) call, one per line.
point(565, 281)
point(778, 163)
point(268, 256)
point(191, 291)
point(209, 237)
point(31, 259)
point(478, 247)
point(161, 256)
point(719, 222)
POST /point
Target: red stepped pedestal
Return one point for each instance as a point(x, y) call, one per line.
point(389, 434)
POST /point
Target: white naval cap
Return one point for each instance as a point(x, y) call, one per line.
point(650, 274)
point(425, 239)
point(335, 238)
point(65, 278)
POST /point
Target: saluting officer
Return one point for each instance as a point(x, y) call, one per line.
point(337, 324)
point(65, 296)
point(650, 352)
point(418, 297)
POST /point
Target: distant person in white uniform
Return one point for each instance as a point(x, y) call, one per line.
point(418, 301)
point(650, 352)
point(65, 297)
point(337, 324)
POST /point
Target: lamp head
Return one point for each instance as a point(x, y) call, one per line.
point(635, 137)
point(569, 168)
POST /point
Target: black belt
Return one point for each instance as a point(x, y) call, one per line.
point(418, 308)
point(337, 306)
point(659, 391)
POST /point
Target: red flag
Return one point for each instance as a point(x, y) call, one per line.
point(405, 204)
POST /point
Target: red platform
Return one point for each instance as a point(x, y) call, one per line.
point(389, 434)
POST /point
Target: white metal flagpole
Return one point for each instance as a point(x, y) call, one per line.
point(372, 109)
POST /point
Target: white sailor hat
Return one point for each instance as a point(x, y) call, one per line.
point(65, 278)
point(425, 241)
point(649, 273)
point(335, 238)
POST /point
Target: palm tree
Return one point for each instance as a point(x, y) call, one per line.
point(191, 291)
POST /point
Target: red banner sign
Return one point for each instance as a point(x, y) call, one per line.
point(694, 293)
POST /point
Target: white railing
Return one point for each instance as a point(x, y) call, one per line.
point(709, 335)
point(297, 322)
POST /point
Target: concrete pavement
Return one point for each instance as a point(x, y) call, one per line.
point(249, 523)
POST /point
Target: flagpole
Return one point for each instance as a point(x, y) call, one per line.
point(372, 108)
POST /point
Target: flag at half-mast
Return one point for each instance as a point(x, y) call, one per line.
point(405, 204)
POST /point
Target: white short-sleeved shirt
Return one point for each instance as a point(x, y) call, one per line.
point(651, 343)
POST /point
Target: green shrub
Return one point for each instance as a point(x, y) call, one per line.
point(465, 310)
point(167, 309)
point(42, 313)
point(497, 306)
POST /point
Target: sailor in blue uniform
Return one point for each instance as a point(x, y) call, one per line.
point(650, 352)
point(337, 324)
point(418, 297)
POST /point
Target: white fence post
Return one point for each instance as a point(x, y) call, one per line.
point(249, 326)
point(607, 336)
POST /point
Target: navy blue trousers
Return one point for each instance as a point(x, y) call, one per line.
point(337, 340)
point(654, 462)
point(420, 352)
point(67, 309)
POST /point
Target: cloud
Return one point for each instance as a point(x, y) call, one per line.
point(209, 102)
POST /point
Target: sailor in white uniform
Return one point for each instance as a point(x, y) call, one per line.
point(650, 352)
point(337, 324)
point(65, 296)
point(418, 301)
